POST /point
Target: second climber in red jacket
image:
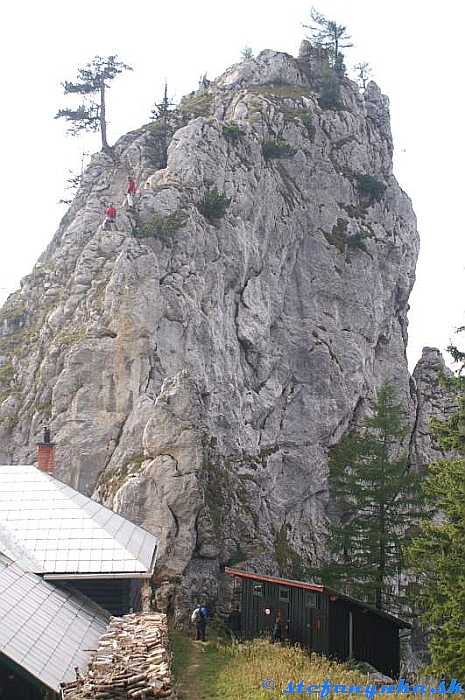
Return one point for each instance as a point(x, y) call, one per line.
point(130, 191)
point(110, 211)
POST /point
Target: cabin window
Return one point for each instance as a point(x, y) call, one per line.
point(284, 594)
point(312, 600)
point(258, 589)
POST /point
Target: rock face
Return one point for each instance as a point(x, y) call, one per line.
point(434, 401)
point(195, 370)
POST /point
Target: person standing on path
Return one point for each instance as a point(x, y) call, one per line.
point(201, 622)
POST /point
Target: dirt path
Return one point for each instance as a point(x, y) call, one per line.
point(190, 686)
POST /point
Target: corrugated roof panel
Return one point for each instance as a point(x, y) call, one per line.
point(50, 528)
point(103, 515)
point(44, 629)
point(136, 540)
point(91, 507)
point(9, 630)
point(19, 647)
point(112, 526)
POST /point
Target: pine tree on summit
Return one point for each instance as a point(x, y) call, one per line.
point(331, 36)
point(92, 81)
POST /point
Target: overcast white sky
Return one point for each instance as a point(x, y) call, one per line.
point(413, 48)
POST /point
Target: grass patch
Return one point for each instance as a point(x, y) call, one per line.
point(216, 672)
point(287, 99)
point(6, 380)
point(111, 481)
point(255, 104)
point(196, 667)
point(156, 127)
point(71, 338)
point(45, 409)
point(197, 105)
point(8, 422)
point(7, 372)
point(181, 648)
point(136, 459)
point(281, 90)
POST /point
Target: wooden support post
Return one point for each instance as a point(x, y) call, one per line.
point(146, 595)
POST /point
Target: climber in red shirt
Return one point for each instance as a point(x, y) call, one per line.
point(110, 211)
point(131, 191)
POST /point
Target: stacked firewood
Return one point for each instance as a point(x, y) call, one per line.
point(132, 661)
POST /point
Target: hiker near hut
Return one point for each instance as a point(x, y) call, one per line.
point(234, 624)
point(200, 617)
point(278, 628)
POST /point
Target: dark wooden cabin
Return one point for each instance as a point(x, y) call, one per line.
point(321, 619)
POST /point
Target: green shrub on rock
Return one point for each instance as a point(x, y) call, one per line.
point(277, 149)
point(307, 120)
point(213, 205)
point(232, 131)
point(371, 188)
point(156, 226)
point(173, 222)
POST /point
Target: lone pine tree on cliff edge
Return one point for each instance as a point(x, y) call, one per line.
point(92, 81)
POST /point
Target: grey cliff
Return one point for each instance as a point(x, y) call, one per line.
point(194, 372)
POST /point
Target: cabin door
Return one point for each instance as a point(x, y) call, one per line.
point(285, 610)
point(306, 623)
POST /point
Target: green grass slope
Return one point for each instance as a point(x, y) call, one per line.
point(223, 671)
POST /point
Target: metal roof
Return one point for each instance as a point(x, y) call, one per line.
point(45, 630)
point(318, 589)
point(51, 529)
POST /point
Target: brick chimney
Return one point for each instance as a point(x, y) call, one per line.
point(46, 453)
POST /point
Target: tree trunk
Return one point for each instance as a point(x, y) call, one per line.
point(165, 127)
point(382, 560)
point(103, 123)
